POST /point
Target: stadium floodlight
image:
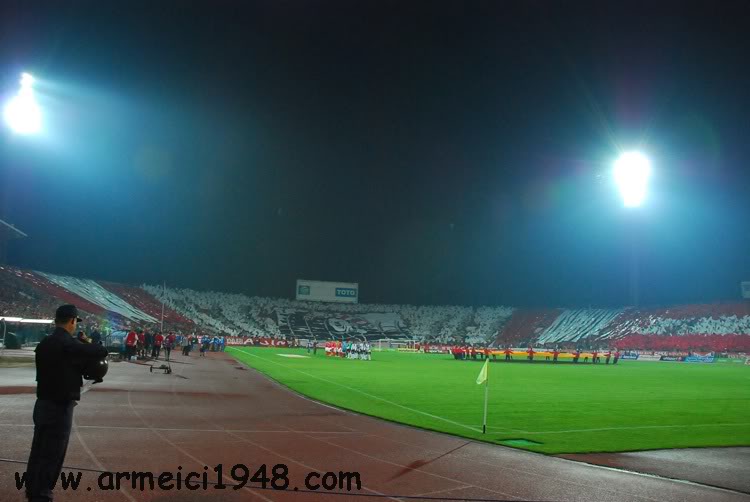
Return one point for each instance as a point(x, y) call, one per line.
point(632, 171)
point(22, 113)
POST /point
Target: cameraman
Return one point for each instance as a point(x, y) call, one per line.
point(59, 360)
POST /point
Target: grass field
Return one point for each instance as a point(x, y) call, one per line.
point(565, 408)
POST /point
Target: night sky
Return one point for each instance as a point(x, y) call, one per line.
point(434, 152)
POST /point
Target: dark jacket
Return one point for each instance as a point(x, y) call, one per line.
point(59, 359)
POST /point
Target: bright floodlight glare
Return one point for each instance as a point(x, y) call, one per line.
point(26, 80)
point(22, 114)
point(632, 171)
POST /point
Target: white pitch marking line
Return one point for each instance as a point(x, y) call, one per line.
point(365, 393)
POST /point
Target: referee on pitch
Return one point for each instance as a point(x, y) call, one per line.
point(59, 361)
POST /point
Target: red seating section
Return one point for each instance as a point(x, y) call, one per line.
point(142, 300)
point(526, 325)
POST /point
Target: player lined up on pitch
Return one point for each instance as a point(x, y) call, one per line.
point(349, 350)
point(531, 354)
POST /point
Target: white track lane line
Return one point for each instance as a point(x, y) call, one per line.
point(182, 450)
point(288, 459)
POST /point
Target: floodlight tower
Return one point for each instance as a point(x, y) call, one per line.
point(632, 171)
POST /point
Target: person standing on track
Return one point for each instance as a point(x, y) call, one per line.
point(158, 342)
point(131, 339)
point(59, 357)
point(186, 345)
point(168, 345)
point(205, 344)
point(555, 353)
point(141, 344)
point(149, 338)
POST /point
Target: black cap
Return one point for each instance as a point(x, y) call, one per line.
point(67, 312)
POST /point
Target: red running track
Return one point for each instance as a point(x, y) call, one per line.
point(210, 411)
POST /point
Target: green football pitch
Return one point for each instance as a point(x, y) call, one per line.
point(541, 407)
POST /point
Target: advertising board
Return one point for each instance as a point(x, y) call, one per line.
point(672, 358)
point(700, 359)
point(323, 291)
point(649, 357)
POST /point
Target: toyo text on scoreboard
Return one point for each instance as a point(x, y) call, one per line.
point(325, 291)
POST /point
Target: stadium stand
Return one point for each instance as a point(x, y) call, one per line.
point(525, 326)
point(43, 285)
point(490, 322)
point(707, 319)
point(228, 314)
point(96, 294)
point(239, 315)
point(576, 325)
point(19, 299)
point(149, 304)
point(685, 343)
point(30, 295)
point(709, 327)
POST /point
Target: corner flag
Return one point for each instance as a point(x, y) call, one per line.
point(483, 378)
point(483, 374)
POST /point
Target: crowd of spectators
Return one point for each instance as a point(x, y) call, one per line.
point(152, 306)
point(713, 326)
point(706, 319)
point(93, 293)
point(106, 306)
point(701, 343)
point(525, 326)
point(19, 299)
point(577, 325)
point(240, 315)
